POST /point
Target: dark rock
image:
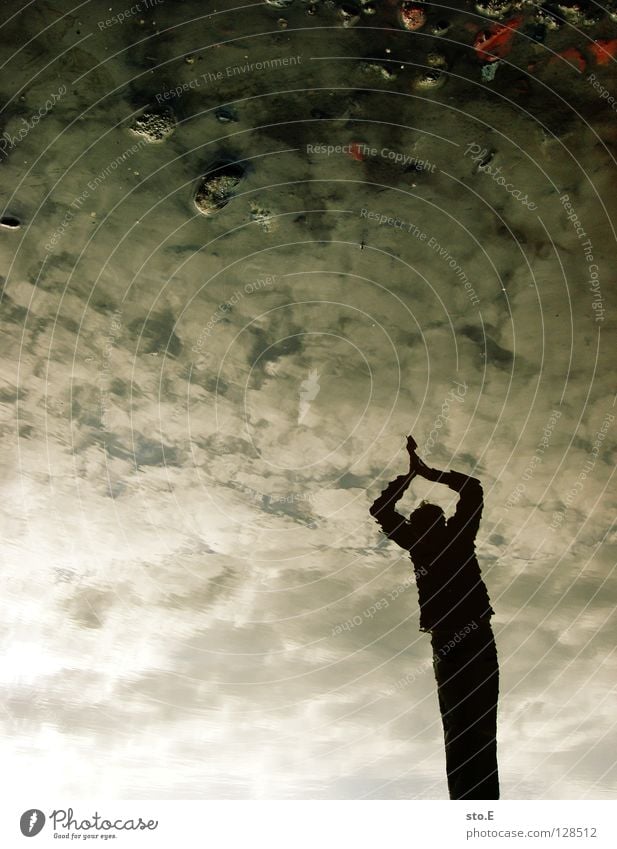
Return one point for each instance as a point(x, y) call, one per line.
point(225, 115)
point(9, 222)
point(217, 187)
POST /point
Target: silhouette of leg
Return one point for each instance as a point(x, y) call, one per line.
point(482, 779)
point(467, 678)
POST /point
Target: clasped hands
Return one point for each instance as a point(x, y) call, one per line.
point(416, 465)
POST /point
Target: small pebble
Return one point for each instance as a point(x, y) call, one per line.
point(412, 16)
point(431, 78)
point(489, 70)
point(436, 60)
point(376, 69)
point(349, 15)
point(548, 19)
point(441, 27)
point(493, 8)
point(224, 115)
point(155, 125)
point(9, 222)
point(571, 10)
point(263, 217)
point(217, 187)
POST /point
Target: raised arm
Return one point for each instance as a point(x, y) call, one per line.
point(466, 519)
point(393, 524)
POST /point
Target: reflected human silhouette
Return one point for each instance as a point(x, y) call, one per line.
point(455, 609)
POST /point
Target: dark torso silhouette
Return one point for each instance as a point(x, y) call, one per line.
point(451, 591)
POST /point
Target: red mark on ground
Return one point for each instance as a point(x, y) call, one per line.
point(604, 50)
point(496, 43)
point(355, 151)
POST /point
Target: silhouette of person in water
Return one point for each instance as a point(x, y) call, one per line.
point(456, 610)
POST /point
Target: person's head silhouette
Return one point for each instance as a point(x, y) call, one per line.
point(429, 521)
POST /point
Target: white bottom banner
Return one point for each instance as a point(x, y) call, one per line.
point(308, 824)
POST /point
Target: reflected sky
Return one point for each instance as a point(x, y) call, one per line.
point(197, 411)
